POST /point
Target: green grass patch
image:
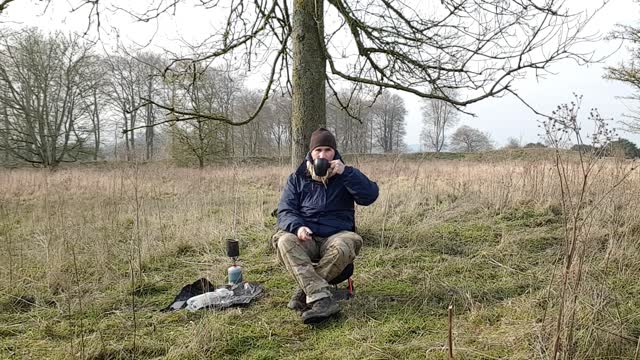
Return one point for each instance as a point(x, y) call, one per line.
point(528, 217)
point(458, 239)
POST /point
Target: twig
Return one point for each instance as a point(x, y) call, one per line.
point(494, 262)
point(621, 336)
point(450, 331)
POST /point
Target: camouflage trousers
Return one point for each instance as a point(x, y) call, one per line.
point(332, 255)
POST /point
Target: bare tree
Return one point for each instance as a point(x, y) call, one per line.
point(438, 116)
point(628, 72)
point(94, 114)
point(280, 127)
point(513, 143)
point(198, 138)
point(95, 101)
point(152, 87)
point(133, 78)
point(195, 138)
point(388, 121)
point(42, 81)
point(468, 139)
point(124, 93)
point(255, 136)
point(480, 47)
point(227, 90)
point(353, 124)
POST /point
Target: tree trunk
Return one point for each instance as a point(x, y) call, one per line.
point(132, 138)
point(201, 162)
point(4, 139)
point(226, 141)
point(115, 140)
point(309, 66)
point(233, 142)
point(96, 125)
point(127, 134)
point(150, 120)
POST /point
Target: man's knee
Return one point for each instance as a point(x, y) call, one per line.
point(349, 242)
point(357, 241)
point(284, 241)
point(346, 245)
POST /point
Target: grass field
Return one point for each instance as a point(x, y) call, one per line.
point(88, 255)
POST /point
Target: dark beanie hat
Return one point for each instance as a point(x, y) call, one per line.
point(322, 137)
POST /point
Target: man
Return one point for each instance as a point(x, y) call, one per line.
point(316, 221)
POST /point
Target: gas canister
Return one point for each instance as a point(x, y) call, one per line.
point(234, 274)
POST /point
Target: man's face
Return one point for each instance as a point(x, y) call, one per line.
point(323, 152)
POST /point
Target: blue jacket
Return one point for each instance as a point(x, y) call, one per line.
point(325, 211)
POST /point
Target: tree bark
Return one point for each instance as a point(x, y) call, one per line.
point(309, 73)
point(127, 134)
point(150, 120)
point(96, 125)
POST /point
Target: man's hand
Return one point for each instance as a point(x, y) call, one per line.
point(337, 167)
point(304, 233)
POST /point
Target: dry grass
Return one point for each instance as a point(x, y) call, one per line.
point(88, 256)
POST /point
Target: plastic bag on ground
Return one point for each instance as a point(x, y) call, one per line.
point(218, 298)
point(223, 297)
point(198, 287)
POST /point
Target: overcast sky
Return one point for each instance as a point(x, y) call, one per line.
point(508, 117)
point(502, 118)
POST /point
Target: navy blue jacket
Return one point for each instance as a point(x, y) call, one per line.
point(325, 211)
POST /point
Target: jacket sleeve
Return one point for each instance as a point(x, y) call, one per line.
point(289, 218)
point(363, 190)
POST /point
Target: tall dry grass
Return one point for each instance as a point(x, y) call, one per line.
point(70, 237)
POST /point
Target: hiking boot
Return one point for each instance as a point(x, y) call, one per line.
point(298, 301)
point(320, 310)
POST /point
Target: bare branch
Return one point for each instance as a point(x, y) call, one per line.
point(4, 4)
point(93, 12)
point(190, 115)
point(343, 106)
point(481, 46)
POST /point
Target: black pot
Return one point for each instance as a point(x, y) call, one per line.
point(233, 248)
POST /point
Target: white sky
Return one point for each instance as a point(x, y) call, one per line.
point(502, 118)
point(508, 117)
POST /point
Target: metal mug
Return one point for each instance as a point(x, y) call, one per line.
point(320, 166)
